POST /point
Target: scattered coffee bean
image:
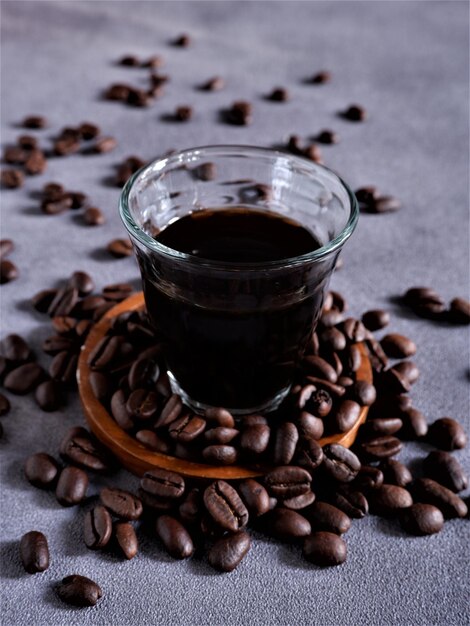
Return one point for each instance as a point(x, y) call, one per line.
point(213, 84)
point(278, 94)
point(309, 454)
point(327, 137)
point(285, 442)
point(48, 395)
point(445, 469)
point(4, 405)
point(447, 434)
point(224, 506)
point(254, 496)
point(183, 113)
point(459, 311)
point(97, 528)
point(376, 319)
point(429, 491)
point(228, 552)
point(34, 121)
point(93, 216)
point(63, 302)
point(163, 484)
point(120, 248)
point(14, 348)
point(182, 41)
point(287, 481)
point(350, 501)
point(8, 271)
point(12, 179)
point(239, 114)
point(186, 428)
point(422, 519)
point(36, 163)
point(71, 486)
point(105, 144)
point(415, 425)
point(325, 549)
point(309, 426)
point(220, 455)
point(355, 113)
point(321, 78)
point(41, 470)
point(382, 426)
point(126, 539)
point(298, 503)
point(387, 499)
point(287, 525)
point(395, 473)
point(79, 591)
point(34, 551)
point(324, 516)
point(316, 366)
point(380, 447)
point(175, 537)
point(24, 378)
point(398, 346)
point(78, 447)
point(368, 478)
point(121, 503)
point(346, 416)
point(340, 463)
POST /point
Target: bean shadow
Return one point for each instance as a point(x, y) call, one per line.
point(32, 210)
point(390, 527)
point(101, 254)
point(10, 560)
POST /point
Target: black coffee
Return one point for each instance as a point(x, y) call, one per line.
point(233, 338)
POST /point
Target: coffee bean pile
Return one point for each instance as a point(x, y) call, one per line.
point(307, 494)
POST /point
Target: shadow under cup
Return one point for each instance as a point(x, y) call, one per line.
point(233, 332)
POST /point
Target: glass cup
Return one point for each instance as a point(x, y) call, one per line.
point(233, 333)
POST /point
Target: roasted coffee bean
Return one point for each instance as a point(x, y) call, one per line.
point(63, 302)
point(120, 248)
point(220, 455)
point(422, 519)
point(316, 366)
point(119, 410)
point(105, 144)
point(92, 216)
point(129, 60)
point(327, 137)
point(324, 516)
point(429, 491)
point(14, 348)
point(364, 393)
point(368, 478)
point(78, 448)
point(355, 113)
point(227, 552)
point(213, 84)
point(381, 426)
point(4, 405)
point(408, 369)
point(183, 113)
point(97, 528)
point(221, 435)
point(254, 420)
point(79, 590)
point(78, 199)
point(278, 94)
point(117, 291)
point(318, 403)
point(389, 499)
point(333, 339)
point(367, 195)
point(41, 470)
point(43, 299)
point(240, 113)
point(287, 481)
point(331, 318)
point(325, 549)
point(34, 552)
point(64, 325)
point(225, 507)
point(63, 368)
point(392, 381)
point(66, 145)
point(310, 454)
point(163, 484)
point(27, 142)
point(6, 247)
point(100, 385)
point(34, 121)
point(88, 130)
point(24, 378)
point(378, 358)
point(49, 396)
point(398, 346)
point(352, 358)
point(8, 271)
point(416, 296)
point(56, 207)
point(105, 352)
point(321, 78)
point(126, 539)
point(186, 428)
point(182, 41)
point(380, 447)
point(12, 179)
point(71, 486)
point(117, 91)
point(415, 425)
point(340, 463)
point(171, 411)
point(376, 319)
point(285, 443)
point(151, 440)
point(287, 525)
point(175, 537)
point(395, 473)
point(122, 504)
point(299, 502)
point(309, 426)
point(346, 415)
point(57, 343)
point(333, 389)
point(313, 153)
point(447, 434)
point(459, 311)
point(384, 204)
point(445, 469)
point(143, 373)
point(35, 163)
point(254, 496)
point(350, 501)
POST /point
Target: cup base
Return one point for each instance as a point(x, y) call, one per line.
point(200, 407)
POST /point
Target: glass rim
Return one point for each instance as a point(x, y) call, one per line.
point(226, 150)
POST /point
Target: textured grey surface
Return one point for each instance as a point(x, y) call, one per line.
point(407, 62)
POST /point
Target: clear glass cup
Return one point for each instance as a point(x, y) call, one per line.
point(233, 332)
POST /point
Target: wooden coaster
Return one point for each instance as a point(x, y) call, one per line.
point(137, 458)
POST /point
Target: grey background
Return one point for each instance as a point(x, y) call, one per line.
point(407, 63)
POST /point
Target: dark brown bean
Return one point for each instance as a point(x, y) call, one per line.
point(186, 428)
point(355, 113)
point(4, 405)
point(163, 484)
point(6, 247)
point(227, 552)
point(429, 491)
point(12, 179)
point(79, 591)
point(71, 486)
point(345, 416)
point(220, 455)
point(57, 343)
point(376, 319)
point(24, 378)
point(142, 404)
point(309, 455)
point(381, 426)
point(63, 302)
point(408, 369)
point(78, 447)
point(422, 519)
point(126, 539)
point(364, 393)
point(298, 503)
point(105, 144)
point(333, 339)
point(14, 348)
point(325, 549)
point(8, 271)
point(285, 443)
point(447, 434)
point(240, 113)
point(35, 163)
point(213, 84)
point(459, 311)
point(398, 346)
point(395, 473)
point(316, 401)
point(445, 469)
point(340, 463)
point(255, 497)
point(151, 440)
point(34, 552)
point(120, 248)
point(175, 537)
point(92, 216)
point(321, 78)
point(49, 396)
point(324, 516)
point(122, 504)
point(190, 509)
point(287, 481)
point(377, 356)
point(287, 525)
point(316, 366)
point(41, 470)
point(171, 411)
point(279, 94)
point(119, 410)
point(309, 426)
point(350, 501)
point(220, 434)
point(380, 447)
point(415, 425)
point(389, 499)
point(34, 121)
point(225, 507)
point(154, 503)
point(368, 478)
point(43, 299)
point(97, 528)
